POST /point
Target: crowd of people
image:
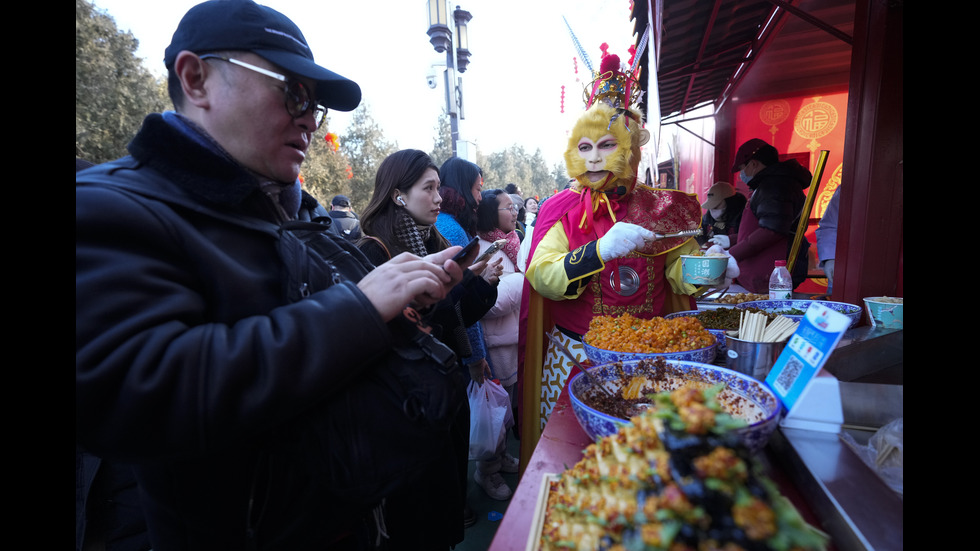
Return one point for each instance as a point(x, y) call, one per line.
point(234, 336)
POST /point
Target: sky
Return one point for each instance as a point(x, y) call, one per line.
point(521, 56)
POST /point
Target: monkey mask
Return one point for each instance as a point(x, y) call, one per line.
point(603, 152)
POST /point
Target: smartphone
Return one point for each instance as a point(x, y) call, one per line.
point(466, 250)
point(494, 247)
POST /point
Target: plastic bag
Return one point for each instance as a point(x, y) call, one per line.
point(490, 417)
point(884, 453)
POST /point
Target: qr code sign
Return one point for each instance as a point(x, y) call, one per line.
point(789, 374)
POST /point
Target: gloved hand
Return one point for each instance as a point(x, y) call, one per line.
point(722, 240)
point(622, 239)
point(731, 271)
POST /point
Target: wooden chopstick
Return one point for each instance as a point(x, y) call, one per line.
point(753, 327)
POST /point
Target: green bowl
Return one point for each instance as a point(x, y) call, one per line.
point(887, 312)
point(703, 270)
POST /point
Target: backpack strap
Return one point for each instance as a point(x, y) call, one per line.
point(381, 243)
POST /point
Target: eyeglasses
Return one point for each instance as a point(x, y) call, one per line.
point(512, 208)
point(298, 100)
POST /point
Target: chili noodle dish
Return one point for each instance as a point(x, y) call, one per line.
point(633, 392)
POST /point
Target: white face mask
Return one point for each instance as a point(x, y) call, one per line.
point(716, 213)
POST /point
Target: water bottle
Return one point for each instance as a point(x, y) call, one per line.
point(780, 282)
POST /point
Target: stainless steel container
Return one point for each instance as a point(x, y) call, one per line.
point(754, 359)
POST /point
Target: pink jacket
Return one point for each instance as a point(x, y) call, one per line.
point(501, 323)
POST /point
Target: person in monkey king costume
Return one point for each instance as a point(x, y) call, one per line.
point(594, 251)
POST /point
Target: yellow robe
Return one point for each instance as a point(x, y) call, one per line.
point(545, 368)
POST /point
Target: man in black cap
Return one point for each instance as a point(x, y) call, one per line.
point(205, 323)
point(770, 218)
point(345, 222)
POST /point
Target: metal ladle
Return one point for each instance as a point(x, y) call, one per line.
point(571, 357)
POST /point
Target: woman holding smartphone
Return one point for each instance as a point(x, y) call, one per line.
point(496, 222)
point(462, 185)
point(400, 218)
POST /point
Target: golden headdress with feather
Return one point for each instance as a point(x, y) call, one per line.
point(612, 109)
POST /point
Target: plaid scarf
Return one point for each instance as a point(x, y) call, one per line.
point(410, 235)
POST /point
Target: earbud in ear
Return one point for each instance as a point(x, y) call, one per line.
point(401, 201)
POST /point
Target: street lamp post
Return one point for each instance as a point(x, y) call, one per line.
point(440, 33)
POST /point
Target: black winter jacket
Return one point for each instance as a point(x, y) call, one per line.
point(193, 350)
point(346, 224)
point(778, 195)
point(438, 498)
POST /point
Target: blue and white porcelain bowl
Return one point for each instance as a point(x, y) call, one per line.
point(744, 397)
point(601, 355)
point(852, 311)
point(719, 334)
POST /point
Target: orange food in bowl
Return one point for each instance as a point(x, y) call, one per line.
point(648, 336)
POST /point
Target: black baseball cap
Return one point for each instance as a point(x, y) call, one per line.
point(244, 25)
point(340, 201)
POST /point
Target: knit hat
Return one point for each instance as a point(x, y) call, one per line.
point(754, 149)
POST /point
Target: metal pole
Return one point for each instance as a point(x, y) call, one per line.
point(450, 81)
point(807, 207)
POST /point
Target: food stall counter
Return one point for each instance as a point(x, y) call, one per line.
point(561, 446)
